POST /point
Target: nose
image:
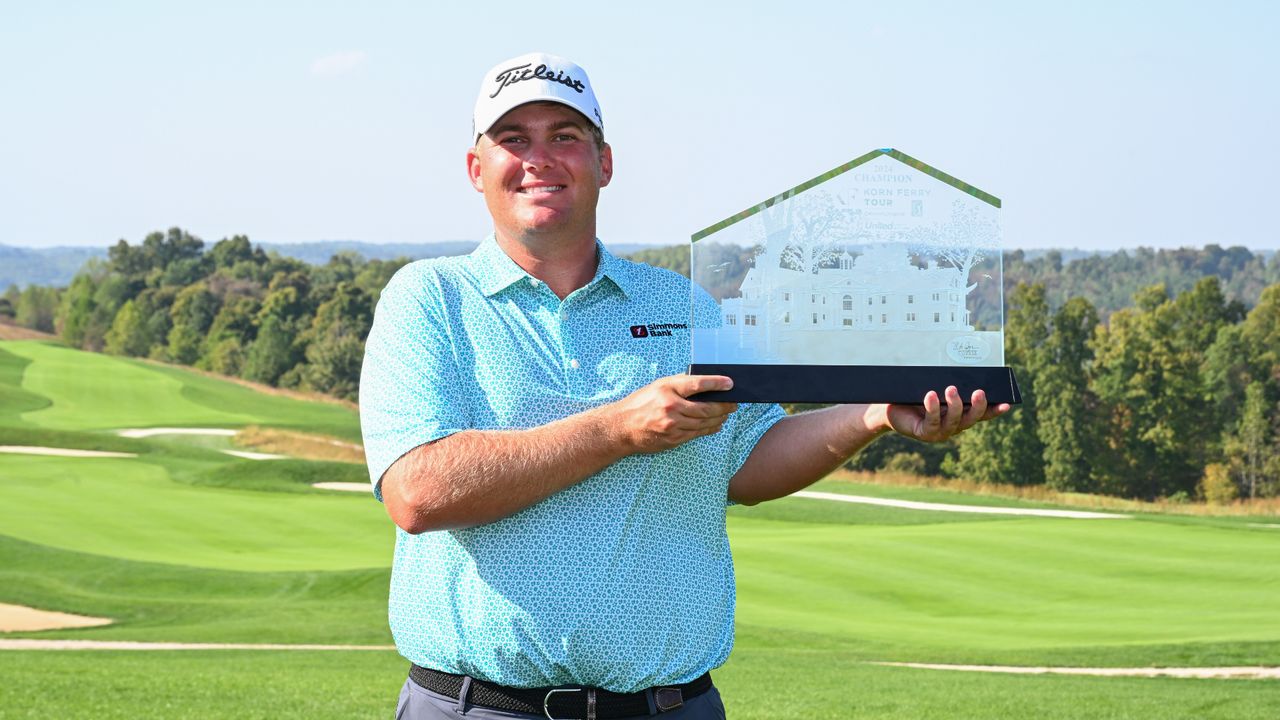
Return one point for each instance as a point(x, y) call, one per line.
point(538, 156)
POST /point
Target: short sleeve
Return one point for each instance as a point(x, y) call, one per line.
point(752, 420)
point(409, 380)
point(750, 423)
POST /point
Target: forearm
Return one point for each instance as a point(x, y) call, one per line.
point(802, 449)
point(475, 477)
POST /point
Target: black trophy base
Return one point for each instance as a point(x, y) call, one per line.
point(899, 384)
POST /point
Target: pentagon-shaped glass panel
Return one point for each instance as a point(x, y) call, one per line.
point(881, 263)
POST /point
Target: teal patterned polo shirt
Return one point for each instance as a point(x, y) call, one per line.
point(623, 581)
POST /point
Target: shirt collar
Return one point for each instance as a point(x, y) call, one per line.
point(496, 271)
point(493, 268)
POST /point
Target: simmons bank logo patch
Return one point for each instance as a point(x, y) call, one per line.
point(656, 329)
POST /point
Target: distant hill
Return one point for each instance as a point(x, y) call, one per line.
point(56, 266)
point(318, 253)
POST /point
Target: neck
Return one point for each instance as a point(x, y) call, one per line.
point(564, 265)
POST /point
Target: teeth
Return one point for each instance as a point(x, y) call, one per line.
point(540, 190)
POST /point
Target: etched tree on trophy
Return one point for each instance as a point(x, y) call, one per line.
point(862, 289)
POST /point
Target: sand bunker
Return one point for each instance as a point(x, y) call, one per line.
point(343, 486)
point(19, 618)
point(16, 644)
point(219, 432)
point(940, 507)
point(149, 432)
point(62, 452)
point(292, 443)
point(1240, 673)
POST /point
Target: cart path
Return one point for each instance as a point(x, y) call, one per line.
point(941, 507)
point(148, 432)
point(1237, 673)
point(62, 452)
point(907, 504)
point(344, 486)
point(1231, 673)
point(22, 644)
point(812, 495)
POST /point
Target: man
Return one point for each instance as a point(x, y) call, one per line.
point(561, 547)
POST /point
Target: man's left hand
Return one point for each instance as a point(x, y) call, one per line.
point(935, 423)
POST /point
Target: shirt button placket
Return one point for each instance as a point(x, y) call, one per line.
point(573, 365)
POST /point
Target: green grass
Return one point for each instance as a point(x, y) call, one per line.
point(236, 685)
point(806, 510)
point(132, 509)
point(925, 494)
point(985, 592)
point(291, 476)
point(159, 601)
point(185, 543)
point(89, 391)
point(756, 685)
point(14, 401)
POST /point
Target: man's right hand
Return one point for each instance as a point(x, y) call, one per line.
point(659, 416)
point(473, 477)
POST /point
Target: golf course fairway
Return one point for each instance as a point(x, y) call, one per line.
point(183, 543)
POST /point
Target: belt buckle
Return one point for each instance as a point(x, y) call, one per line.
point(591, 702)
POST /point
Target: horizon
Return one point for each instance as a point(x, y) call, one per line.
point(209, 243)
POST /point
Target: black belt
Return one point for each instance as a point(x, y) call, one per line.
point(559, 703)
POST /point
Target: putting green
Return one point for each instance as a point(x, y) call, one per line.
point(131, 509)
point(91, 391)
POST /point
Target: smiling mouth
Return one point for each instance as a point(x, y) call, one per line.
point(541, 190)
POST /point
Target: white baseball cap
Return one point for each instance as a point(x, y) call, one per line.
point(536, 77)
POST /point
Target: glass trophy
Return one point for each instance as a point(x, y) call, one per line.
point(875, 282)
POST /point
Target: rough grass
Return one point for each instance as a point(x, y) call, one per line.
point(9, 331)
point(299, 445)
point(14, 401)
point(291, 476)
point(1259, 507)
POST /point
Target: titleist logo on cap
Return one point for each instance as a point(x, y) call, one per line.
point(520, 73)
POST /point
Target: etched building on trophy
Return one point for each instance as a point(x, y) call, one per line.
point(882, 261)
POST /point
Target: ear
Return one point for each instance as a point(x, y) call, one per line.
point(473, 170)
point(606, 164)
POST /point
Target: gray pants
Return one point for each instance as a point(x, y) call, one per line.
point(417, 703)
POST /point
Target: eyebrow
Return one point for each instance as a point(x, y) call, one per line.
point(516, 127)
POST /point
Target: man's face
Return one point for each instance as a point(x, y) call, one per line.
point(541, 172)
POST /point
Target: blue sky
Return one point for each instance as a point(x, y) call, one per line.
point(1100, 125)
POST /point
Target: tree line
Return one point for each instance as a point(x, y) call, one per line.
point(231, 309)
point(1108, 281)
point(1173, 392)
point(1177, 396)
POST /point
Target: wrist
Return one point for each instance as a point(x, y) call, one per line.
point(875, 418)
point(605, 422)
